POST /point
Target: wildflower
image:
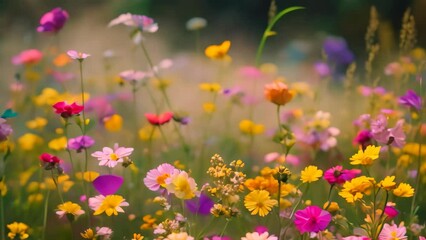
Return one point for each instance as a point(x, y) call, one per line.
point(411, 99)
point(29, 141)
point(259, 236)
point(338, 175)
point(36, 123)
point(209, 107)
point(337, 51)
point(88, 234)
point(81, 142)
point(218, 52)
point(158, 120)
point(391, 232)
point(210, 87)
point(58, 144)
point(133, 76)
point(113, 123)
point(27, 57)
point(365, 157)
point(356, 188)
point(62, 182)
point(278, 93)
point(403, 190)
point(156, 178)
point(322, 69)
point(311, 219)
point(50, 162)
point(61, 60)
point(179, 236)
point(196, 23)
point(111, 157)
point(110, 204)
point(3, 188)
point(387, 183)
point(77, 55)
point(310, 174)
point(104, 232)
point(250, 128)
point(66, 110)
point(363, 138)
point(5, 130)
point(17, 229)
point(70, 209)
point(356, 238)
point(149, 222)
point(108, 184)
point(53, 21)
point(331, 206)
point(200, 205)
point(382, 134)
point(259, 202)
point(137, 236)
point(144, 23)
point(390, 210)
point(88, 176)
point(183, 186)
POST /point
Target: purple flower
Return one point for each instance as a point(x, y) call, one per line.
point(322, 69)
point(311, 219)
point(339, 175)
point(363, 138)
point(53, 21)
point(412, 100)
point(201, 205)
point(108, 184)
point(81, 142)
point(390, 136)
point(5, 130)
point(337, 50)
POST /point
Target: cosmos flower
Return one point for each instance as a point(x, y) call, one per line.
point(67, 110)
point(156, 177)
point(111, 157)
point(311, 219)
point(27, 57)
point(49, 161)
point(53, 21)
point(5, 130)
point(391, 232)
point(144, 23)
point(107, 184)
point(80, 56)
point(200, 205)
point(411, 99)
point(133, 76)
point(158, 120)
point(259, 236)
point(338, 175)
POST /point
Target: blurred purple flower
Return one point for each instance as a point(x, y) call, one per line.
point(390, 136)
point(61, 77)
point(80, 56)
point(337, 50)
point(101, 106)
point(5, 130)
point(200, 205)
point(108, 184)
point(53, 21)
point(363, 138)
point(411, 99)
point(338, 175)
point(322, 69)
point(81, 142)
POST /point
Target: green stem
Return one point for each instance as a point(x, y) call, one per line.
point(224, 228)
point(57, 187)
point(3, 235)
point(328, 198)
point(82, 97)
point(46, 204)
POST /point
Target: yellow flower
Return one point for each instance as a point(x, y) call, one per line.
point(404, 160)
point(110, 204)
point(414, 149)
point(63, 183)
point(88, 176)
point(37, 123)
point(387, 183)
point(332, 207)
point(149, 132)
point(183, 186)
point(69, 208)
point(403, 190)
point(259, 202)
point(16, 228)
point(365, 157)
point(161, 83)
point(210, 87)
point(269, 184)
point(48, 96)
point(356, 188)
point(113, 123)
point(58, 144)
point(209, 107)
point(3, 188)
point(35, 198)
point(418, 53)
point(88, 234)
point(137, 236)
point(29, 141)
point(219, 52)
point(250, 128)
point(310, 174)
point(149, 222)
point(25, 175)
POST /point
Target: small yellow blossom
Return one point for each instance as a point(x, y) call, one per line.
point(25, 175)
point(365, 157)
point(58, 144)
point(210, 87)
point(63, 183)
point(387, 183)
point(3, 188)
point(111, 204)
point(414, 149)
point(69, 208)
point(310, 174)
point(331, 207)
point(259, 202)
point(149, 132)
point(219, 52)
point(88, 234)
point(17, 229)
point(403, 190)
point(179, 165)
point(113, 123)
point(35, 198)
point(37, 123)
point(48, 96)
point(250, 128)
point(356, 188)
point(88, 176)
point(404, 160)
point(29, 141)
point(137, 236)
point(149, 222)
point(209, 107)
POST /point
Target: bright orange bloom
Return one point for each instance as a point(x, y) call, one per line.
point(278, 93)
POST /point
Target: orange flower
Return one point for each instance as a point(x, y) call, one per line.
point(218, 52)
point(278, 93)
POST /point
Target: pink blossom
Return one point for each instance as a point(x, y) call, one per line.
point(161, 119)
point(338, 175)
point(356, 238)
point(67, 110)
point(77, 55)
point(111, 157)
point(258, 236)
point(27, 57)
point(146, 24)
point(390, 232)
point(133, 76)
point(311, 219)
point(53, 21)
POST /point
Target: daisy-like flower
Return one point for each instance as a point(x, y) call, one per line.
point(355, 189)
point(156, 178)
point(250, 128)
point(80, 56)
point(133, 76)
point(219, 52)
point(356, 238)
point(365, 157)
point(111, 157)
point(108, 184)
point(404, 190)
point(110, 204)
point(160, 119)
point(259, 236)
point(393, 232)
point(310, 174)
point(411, 99)
point(70, 209)
point(104, 232)
point(387, 183)
point(311, 219)
point(17, 229)
point(81, 142)
point(183, 186)
point(259, 202)
point(179, 236)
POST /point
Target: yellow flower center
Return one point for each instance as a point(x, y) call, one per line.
point(162, 178)
point(113, 157)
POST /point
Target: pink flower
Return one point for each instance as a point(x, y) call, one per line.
point(146, 24)
point(390, 232)
point(133, 76)
point(156, 178)
point(356, 238)
point(161, 119)
point(105, 232)
point(66, 110)
point(391, 211)
point(390, 136)
point(77, 55)
point(50, 162)
point(258, 236)
point(27, 57)
point(311, 219)
point(338, 175)
point(53, 21)
point(111, 157)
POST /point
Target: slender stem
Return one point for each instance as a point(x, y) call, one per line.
point(3, 236)
point(82, 97)
point(279, 208)
point(46, 204)
point(164, 136)
point(329, 196)
point(224, 228)
point(57, 187)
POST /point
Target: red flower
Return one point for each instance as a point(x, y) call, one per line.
point(161, 119)
point(50, 162)
point(67, 110)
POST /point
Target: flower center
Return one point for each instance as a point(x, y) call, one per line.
point(113, 157)
point(162, 178)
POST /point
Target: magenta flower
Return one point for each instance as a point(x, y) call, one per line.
point(322, 69)
point(412, 100)
point(53, 21)
point(108, 184)
point(338, 175)
point(80, 56)
point(27, 57)
point(5, 130)
point(66, 110)
point(391, 211)
point(311, 219)
point(81, 142)
point(363, 138)
point(356, 238)
point(156, 177)
point(146, 24)
point(111, 157)
point(200, 205)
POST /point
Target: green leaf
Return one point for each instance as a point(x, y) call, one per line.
point(9, 113)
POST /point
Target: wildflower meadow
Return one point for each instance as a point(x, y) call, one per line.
point(211, 142)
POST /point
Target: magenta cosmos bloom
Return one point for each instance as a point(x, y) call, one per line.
point(156, 177)
point(53, 21)
point(108, 184)
point(27, 57)
point(411, 99)
point(67, 110)
point(311, 219)
point(111, 157)
point(338, 175)
point(5, 130)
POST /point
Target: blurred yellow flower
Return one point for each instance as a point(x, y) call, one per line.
point(62, 60)
point(404, 160)
point(387, 183)
point(113, 123)
point(3, 188)
point(88, 176)
point(35, 187)
point(48, 96)
point(137, 236)
point(310, 174)
point(88, 234)
point(35, 198)
point(210, 87)
point(269, 68)
point(38, 123)
point(219, 52)
point(63, 183)
point(414, 149)
point(17, 229)
point(149, 132)
point(25, 175)
point(69, 208)
point(269, 184)
point(259, 202)
point(161, 83)
point(148, 222)
point(332, 207)
point(179, 165)
point(7, 146)
point(209, 107)
point(250, 128)
point(29, 141)
point(58, 144)
point(403, 190)
point(418, 53)
point(365, 157)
